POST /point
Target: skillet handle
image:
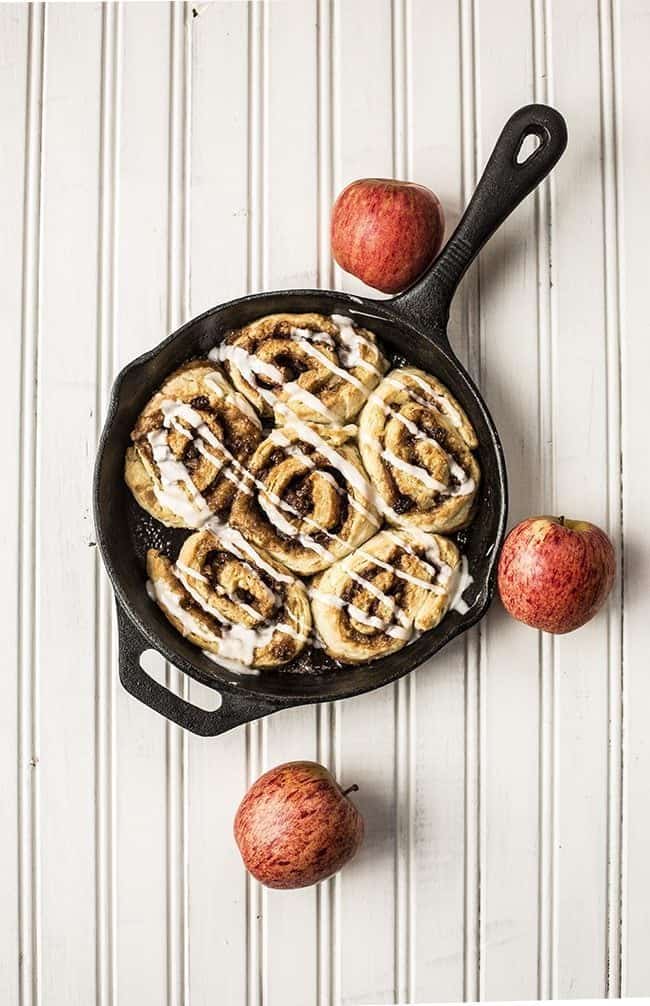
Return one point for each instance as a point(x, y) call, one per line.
point(233, 710)
point(502, 187)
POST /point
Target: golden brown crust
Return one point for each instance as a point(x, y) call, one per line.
point(317, 368)
point(300, 504)
point(211, 435)
point(226, 599)
point(300, 501)
point(373, 602)
point(416, 441)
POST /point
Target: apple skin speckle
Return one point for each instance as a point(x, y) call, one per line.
point(386, 232)
point(555, 574)
point(295, 826)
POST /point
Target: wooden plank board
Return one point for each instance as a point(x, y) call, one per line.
point(217, 768)
point(17, 71)
point(580, 451)
point(509, 335)
point(141, 321)
point(631, 39)
point(66, 439)
point(290, 259)
point(363, 124)
point(176, 161)
point(434, 152)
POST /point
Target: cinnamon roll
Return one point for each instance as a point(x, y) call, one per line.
point(416, 443)
point(382, 596)
point(231, 599)
point(306, 501)
point(189, 445)
point(317, 368)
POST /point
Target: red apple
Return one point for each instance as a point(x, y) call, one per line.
point(386, 232)
point(296, 826)
point(554, 573)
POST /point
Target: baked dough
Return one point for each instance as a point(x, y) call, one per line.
point(392, 588)
point(190, 443)
point(317, 368)
point(416, 443)
point(307, 501)
point(231, 600)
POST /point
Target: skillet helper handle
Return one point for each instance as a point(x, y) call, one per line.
point(503, 185)
point(233, 710)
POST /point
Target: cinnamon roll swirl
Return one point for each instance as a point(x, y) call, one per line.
point(189, 444)
point(317, 368)
point(416, 443)
point(378, 599)
point(231, 599)
point(306, 500)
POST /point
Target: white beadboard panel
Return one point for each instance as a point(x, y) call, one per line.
point(177, 312)
point(464, 328)
point(633, 148)
point(290, 255)
point(29, 837)
point(67, 360)
point(183, 154)
point(363, 145)
point(581, 483)
point(216, 773)
point(106, 637)
point(14, 50)
point(433, 130)
point(510, 686)
point(141, 321)
point(219, 154)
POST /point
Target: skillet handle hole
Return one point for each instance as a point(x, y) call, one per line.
point(207, 699)
point(528, 147)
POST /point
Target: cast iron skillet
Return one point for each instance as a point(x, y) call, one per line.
point(411, 325)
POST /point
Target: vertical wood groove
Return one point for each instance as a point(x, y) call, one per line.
point(544, 204)
point(615, 20)
point(28, 572)
point(404, 689)
point(104, 640)
point(177, 312)
point(611, 257)
point(326, 720)
point(256, 732)
point(471, 325)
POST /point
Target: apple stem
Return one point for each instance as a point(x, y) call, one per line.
point(562, 521)
point(351, 789)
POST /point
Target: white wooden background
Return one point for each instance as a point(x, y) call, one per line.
point(154, 164)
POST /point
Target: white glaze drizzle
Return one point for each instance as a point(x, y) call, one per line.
point(311, 335)
point(173, 476)
point(296, 393)
point(466, 484)
point(191, 572)
point(162, 594)
point(351, 342)
point(237, 544)
point(464, 579)
point(443, 403)
point(373, 621)
point(248, 371)
point(415, 471)
point(173, 473)
point(236, 638)
point(385, 599)
point(307, 433)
